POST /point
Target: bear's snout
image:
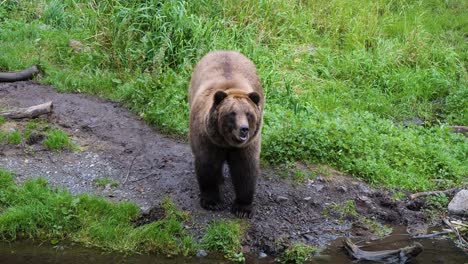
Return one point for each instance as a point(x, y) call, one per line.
point(243, 132)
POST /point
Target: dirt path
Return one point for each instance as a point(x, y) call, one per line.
point(149, 166)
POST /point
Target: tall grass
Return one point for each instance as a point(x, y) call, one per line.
point(344, 73)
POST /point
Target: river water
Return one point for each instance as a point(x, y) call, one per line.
point(436, 250)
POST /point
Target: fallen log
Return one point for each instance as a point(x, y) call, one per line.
point(460, 129)
point(29, 112)
point(401, 255)
point(422, 194)
point(19, 76)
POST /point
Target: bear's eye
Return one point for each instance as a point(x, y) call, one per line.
point(248, 114)
point(232, 114)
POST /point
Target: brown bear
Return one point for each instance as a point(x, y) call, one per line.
point(226, 106)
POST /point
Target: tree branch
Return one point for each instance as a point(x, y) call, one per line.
point(19, 76)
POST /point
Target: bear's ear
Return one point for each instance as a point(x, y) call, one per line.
point(219, 96)
point(255, 97)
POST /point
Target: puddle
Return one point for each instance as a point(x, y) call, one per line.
point(436, 250)
point(26, 252)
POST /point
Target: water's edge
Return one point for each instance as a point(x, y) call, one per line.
point(436, 250)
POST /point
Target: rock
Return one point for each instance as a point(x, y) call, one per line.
point(459, 203)
point(76, 45)
point(246, 249)
point(262, 255)
point(281, 199)
point(342, 189)
point(365, 199)
point(364, 189)
point(318, 187)
point(415, 230)
point(308, 198)
point(201, 253)
point(308, 237)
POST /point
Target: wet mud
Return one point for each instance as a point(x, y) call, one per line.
point(148, 166)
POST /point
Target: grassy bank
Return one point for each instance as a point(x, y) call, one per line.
point(340, 76)
point(36, 210)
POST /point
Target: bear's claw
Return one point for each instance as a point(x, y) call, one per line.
point(242, 211)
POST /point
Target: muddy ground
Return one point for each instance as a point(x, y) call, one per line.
point(149, 166)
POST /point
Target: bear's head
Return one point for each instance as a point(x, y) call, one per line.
point(237, 115)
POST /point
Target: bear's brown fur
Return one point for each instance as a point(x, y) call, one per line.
point(226, 106)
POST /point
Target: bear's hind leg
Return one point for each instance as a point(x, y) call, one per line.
point(208, 168)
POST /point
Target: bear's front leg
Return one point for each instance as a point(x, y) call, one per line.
point(208, 167)
point(244, 168)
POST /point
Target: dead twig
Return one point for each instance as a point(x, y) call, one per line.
point(455, 230)
point(143, 178)
point(29, 112)
point(422, 194)
point(19, 76)
point(401, 255)
point(129, 169)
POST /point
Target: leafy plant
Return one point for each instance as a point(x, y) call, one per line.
point(438, 201)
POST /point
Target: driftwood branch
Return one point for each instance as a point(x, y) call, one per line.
point(422, 194)
point(29, 112)
point(19, 76)
point(441, 233)
point(460, 129)
point(455, 230)
point(401, 255)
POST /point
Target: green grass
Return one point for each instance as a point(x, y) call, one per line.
point(298, 254)
point(57, 139)
point(340, 76)
point(14, 138)
point(2, 120)
point(102, 182)
point(342, 211)
point(225, 236)
point(36, 210)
